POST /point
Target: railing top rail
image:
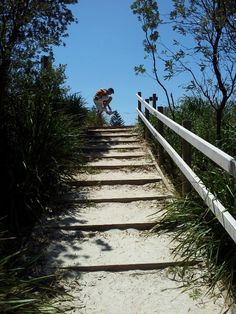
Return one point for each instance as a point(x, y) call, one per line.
point(222, 159)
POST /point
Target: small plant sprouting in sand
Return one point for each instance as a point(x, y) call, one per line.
point(195, 294)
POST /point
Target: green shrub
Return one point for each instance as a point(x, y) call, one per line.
point(94, 121)
point(40, 143)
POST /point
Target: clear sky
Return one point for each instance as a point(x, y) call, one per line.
point(102, 50)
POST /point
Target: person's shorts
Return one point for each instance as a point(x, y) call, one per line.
point(99, 103)
point(100, 107)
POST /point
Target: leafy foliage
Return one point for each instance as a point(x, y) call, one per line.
point(209, 56)
point(148, 15)
point(34, 23)
point(27, 29)
point(209, 26)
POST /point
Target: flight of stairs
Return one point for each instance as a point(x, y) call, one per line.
point(104, 238)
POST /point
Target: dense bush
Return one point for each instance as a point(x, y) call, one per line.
point(41, 142)
point(37, 146)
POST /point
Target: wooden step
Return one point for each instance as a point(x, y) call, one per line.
point(139, 181)
point(117, 199)
point(105, 135)
point(112, 247)
point(105, 227)
point(129, 267)
point(117, 131)
point(107, 148)
point(109, 127)
point(113, 142)
point(116, 156)
point(119, 166)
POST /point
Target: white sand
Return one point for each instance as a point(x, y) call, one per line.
point(137, 292)
point(111, 247)
point(121, 191)
point(107, 213)
point(118, 174)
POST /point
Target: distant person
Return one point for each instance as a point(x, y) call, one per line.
point(102, 100)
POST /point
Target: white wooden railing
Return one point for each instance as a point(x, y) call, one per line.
point(225, 161)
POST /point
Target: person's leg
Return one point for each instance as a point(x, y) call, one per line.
point(99, 106)
point(100, 109)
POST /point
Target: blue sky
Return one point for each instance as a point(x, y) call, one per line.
point(102, 50)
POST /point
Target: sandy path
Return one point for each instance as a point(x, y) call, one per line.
point(136, 292)
point(121, 191)
point(102, 213)
point(131, 292)
point(110, 247)
point(118, 174)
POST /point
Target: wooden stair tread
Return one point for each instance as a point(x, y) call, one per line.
point(134, 181)
point(118, 166)
point(117, 199)
point(104, 227)
point(134, 266)
point(117, 147)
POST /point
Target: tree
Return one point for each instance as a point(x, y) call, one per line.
point(149, 17)
point(211, 25)
point(27, 27)
point(116, 119)
point(33, 129)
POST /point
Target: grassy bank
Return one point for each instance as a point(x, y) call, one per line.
point(198, 231)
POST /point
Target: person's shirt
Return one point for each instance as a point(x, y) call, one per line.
point(101, 93)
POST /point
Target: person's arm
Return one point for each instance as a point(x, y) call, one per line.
point(108, 111)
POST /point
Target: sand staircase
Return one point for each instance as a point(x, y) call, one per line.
point(104, 237)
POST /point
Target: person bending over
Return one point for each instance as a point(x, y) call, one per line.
point(102, 100)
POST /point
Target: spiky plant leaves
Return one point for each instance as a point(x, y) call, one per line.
point(116, 119)
point(198, 235)
point(21, 291)
point(41, 140)
point(94, 120)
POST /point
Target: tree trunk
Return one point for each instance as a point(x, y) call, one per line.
point(219, 117)
point(4, 72)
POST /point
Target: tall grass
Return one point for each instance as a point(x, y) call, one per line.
point(200, 236)
point(20, 290)
point(197, 229)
